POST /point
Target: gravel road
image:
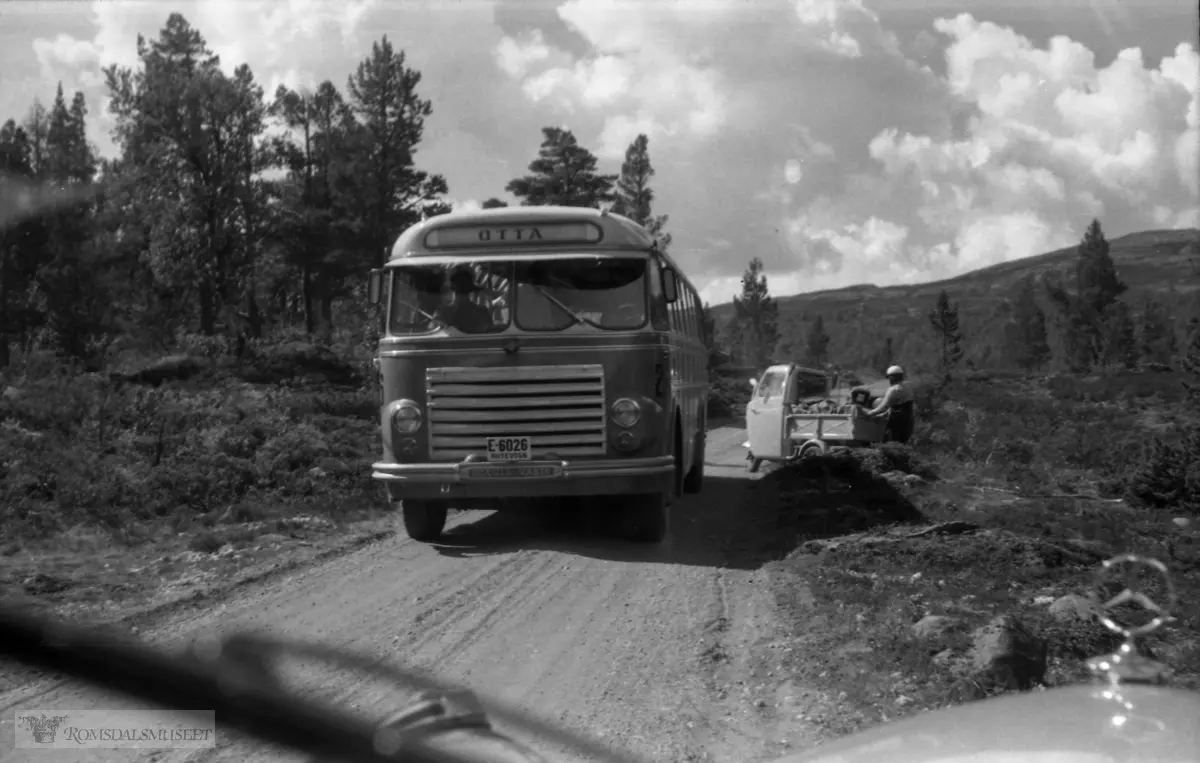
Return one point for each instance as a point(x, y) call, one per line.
point(597, 635)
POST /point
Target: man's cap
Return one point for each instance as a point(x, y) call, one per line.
point(894, 371)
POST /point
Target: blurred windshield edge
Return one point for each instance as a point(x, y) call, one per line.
point(22, 198)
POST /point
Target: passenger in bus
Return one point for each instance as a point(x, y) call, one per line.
point(462, 312)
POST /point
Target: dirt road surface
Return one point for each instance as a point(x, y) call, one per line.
point(653, 651)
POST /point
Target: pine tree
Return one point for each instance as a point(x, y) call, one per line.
point(1084, 314)
point(19, 238)
point(1121, 345)
point(817, 343)
point(175, 122)
point(383, 94)
point(633, 193)
point(317, 123)
point(74, 305)
point(944, 319)
point(1026, 332)
point(563, 174)
point(756, 318)
point(1156, 333)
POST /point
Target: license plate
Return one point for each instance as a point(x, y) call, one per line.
point(511, 472)
point(508, 449)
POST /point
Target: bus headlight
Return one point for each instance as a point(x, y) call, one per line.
point(407, 417)
point(626, 412)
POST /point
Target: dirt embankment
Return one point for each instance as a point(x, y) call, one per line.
point(907, 592)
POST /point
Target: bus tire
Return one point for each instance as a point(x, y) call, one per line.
point(424, 520)
point(648, 517)
point(694, 481)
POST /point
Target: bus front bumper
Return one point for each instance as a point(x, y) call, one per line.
point(484, 479)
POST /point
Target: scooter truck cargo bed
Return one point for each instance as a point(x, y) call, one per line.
point(833, 427)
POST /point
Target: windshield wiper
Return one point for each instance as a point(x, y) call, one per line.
point(432, 318)
point(558, 303)
point(236, 678)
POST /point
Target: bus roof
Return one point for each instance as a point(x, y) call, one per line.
point(496, 232)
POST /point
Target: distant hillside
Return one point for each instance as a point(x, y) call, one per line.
point(1164, 264)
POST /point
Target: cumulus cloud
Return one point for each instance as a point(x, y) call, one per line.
point(672, 69)
point(1055, 140)
point(637, 74)
point(278, 38)
point(753, 111)
point(868, 166)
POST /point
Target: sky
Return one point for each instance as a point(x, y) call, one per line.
point(840, 141)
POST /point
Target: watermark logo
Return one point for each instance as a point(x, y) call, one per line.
point(61, 729)
point(43, 727)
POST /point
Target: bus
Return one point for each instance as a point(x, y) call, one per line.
point(538, 352)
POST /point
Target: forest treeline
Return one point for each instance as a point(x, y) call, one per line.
point(228, 213)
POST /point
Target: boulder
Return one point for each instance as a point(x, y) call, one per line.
point(1008, 652)
point(935, 627)
point(1074, 607)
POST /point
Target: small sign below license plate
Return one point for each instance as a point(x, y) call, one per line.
point(516, 471)
point(508, 449)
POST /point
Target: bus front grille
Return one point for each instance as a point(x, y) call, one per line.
point(560, 408)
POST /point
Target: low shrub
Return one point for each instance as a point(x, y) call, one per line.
point(727, 397)
point(107, 450)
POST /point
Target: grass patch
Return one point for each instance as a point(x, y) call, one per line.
point(1005, 506)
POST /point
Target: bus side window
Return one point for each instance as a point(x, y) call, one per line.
point(685, 311)
point(693, 317)
point(658, 302)
point(677, 310)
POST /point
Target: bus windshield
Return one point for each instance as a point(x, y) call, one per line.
point(606, 293)
point(550, 295)
point(472, 297)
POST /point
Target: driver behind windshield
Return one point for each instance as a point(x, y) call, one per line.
point(460, 310)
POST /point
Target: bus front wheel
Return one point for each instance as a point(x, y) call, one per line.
point(424, 520)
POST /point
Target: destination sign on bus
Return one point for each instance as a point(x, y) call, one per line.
point(513, 234)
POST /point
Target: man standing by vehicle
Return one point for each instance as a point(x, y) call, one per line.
point(897, 405)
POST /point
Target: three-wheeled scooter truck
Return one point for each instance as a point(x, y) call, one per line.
point(793, 412)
